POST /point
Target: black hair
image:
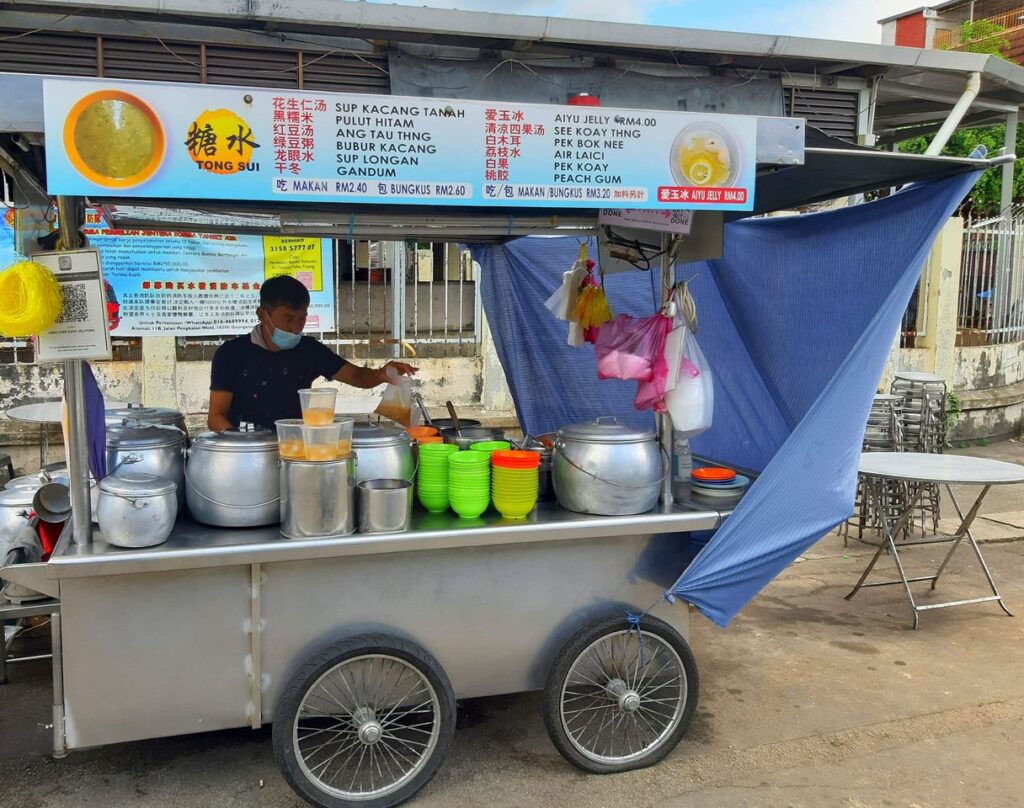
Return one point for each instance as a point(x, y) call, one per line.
point(284, 290)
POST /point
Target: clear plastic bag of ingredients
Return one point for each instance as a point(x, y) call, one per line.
point(397, 403)
point(691, 402)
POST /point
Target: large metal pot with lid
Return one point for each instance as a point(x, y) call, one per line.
point(136, 510)
point(607, 468)
point(148, 449)
point(121, 416)
point(384, 452)
point(233, 478)
point(15, 507)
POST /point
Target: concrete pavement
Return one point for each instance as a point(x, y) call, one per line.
point(806, 700)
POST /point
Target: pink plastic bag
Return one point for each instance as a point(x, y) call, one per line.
point(631, 349)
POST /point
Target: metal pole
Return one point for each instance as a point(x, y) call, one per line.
point(60, 749)
point(68, 212)
point(664, 421)
point(1006, 192)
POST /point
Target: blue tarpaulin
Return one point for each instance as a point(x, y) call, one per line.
point(796, 321)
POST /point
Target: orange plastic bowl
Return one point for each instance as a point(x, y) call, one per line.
point(89, 172)
point(420, 432)
point(713, 474)
point(515, 459)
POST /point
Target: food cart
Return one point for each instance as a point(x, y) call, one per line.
point(357, 647)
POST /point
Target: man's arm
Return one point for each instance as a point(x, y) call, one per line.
point(220, 406)
point(366, 378)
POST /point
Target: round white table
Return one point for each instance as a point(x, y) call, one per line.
point(45, 413)
point(918, 471)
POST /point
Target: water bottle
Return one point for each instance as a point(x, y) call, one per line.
point(682, 467)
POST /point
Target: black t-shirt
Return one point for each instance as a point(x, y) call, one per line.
point(265, 384)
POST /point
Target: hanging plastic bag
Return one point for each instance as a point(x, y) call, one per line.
point(592, 309)
point(691, 402)
point(397, 401)
point(629, 349)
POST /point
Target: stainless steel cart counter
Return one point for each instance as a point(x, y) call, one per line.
point(205, 631)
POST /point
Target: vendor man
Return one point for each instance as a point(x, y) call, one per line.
point(256, 377)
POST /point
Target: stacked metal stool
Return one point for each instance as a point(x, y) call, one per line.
point(910, 418)
point(883, 433)
point(924, 430)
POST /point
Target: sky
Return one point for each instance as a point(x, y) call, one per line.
point(855, 20)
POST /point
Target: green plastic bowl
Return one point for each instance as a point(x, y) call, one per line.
point(515, 510)
point(489, 446)
point(435, 449)
point(470, 511)
point(435, 503)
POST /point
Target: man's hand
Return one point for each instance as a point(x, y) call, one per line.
point(366, 378)
point(401, 368)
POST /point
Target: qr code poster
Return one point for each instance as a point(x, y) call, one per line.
point(81, 330)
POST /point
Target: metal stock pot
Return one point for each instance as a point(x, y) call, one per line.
point(233, 478)
point(384, 452)
point(136, 510)
point(121, 416)
point(148, 449)
point(607, 468)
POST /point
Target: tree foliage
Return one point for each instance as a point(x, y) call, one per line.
point(982, 36)
point(985, 196)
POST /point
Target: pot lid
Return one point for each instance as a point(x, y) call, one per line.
point(606, 430)
point(365, 436)
point(142, 437)
point(17, 497)
point(137, 484)
point(238, 440)
point(152, 415)
point(29, 482)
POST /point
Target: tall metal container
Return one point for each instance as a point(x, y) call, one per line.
point(318, 498)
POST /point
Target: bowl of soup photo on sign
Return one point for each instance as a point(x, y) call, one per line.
point(114, 139)
point(705, 155)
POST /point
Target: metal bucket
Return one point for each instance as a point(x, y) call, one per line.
point(385, 506)
point(318, 499)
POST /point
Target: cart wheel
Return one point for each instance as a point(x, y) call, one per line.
point(613, 702)
point(367, 721)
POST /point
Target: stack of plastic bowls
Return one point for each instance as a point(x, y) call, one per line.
point(432, 478)
point(514, 479)
point(489, 447)
point(469, 483)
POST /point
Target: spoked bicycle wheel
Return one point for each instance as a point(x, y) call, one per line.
point(618, 698)
point(366, 722)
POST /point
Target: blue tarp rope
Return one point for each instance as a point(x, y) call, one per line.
point(797, 319)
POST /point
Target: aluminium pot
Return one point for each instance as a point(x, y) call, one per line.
point(448, 423)
point(15, 507)
point(384, 452)
point(607, 468)
point(318, 498)
point(233, 478)
point(122, 416)
point(148, 449)
point(136, 510)
point(466, 436)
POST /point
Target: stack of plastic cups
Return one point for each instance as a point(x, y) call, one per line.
point(469, 483)
point(514, 481)
point(432, 477)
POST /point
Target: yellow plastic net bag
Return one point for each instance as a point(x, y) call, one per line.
point(30, 299)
